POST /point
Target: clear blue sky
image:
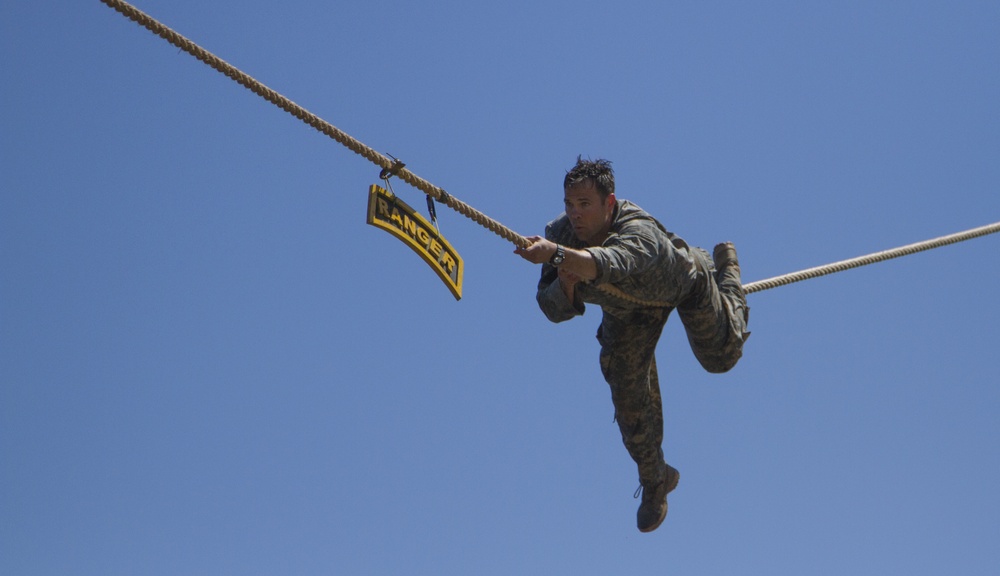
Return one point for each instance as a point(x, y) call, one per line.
point(210, 364)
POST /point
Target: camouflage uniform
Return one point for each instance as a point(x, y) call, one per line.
point(647, 262)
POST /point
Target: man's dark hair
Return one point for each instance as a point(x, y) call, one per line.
point(597, 172)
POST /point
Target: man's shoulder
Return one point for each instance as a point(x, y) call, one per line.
point(630, 215)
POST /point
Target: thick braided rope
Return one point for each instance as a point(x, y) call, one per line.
point(869, 259)
point(220, 65)
point(245, 80)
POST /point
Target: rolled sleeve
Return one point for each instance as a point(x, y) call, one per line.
point(553, 301)
point(624, 255)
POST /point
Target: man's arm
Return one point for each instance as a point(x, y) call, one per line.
point(556, 295)
point(579, 262)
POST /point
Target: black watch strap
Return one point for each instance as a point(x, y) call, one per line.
point(558, 257)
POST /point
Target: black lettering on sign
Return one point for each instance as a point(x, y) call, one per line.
point(388, 212)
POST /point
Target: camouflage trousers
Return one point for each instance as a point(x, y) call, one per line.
point(715, 319)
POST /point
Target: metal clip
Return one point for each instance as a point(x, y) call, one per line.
point(433, 213)
point(393, 170)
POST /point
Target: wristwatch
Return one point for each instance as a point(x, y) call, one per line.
point(558, 257)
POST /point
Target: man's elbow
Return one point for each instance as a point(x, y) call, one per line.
point(555, 317)
point(555, 313)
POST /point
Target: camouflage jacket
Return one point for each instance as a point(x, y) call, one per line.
point(639, 257)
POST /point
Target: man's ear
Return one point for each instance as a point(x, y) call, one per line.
point(610, 201)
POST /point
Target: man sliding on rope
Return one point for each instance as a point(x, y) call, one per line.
point(600, 240)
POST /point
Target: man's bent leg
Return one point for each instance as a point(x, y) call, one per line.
point(715, 316)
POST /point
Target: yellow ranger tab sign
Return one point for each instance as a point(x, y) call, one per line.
point(388, 212)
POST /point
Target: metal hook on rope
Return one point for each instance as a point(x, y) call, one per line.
point(393, 170)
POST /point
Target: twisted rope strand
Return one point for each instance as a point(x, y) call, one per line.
point(258, 88)
point(245, 80)
point(869, 259)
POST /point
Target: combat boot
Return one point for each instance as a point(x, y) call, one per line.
point(727, 267)
point(727, 277)
point(653, 508)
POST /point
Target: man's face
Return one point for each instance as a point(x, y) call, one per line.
point(588, 214)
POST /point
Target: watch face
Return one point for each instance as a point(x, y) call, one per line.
point(558, 257)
